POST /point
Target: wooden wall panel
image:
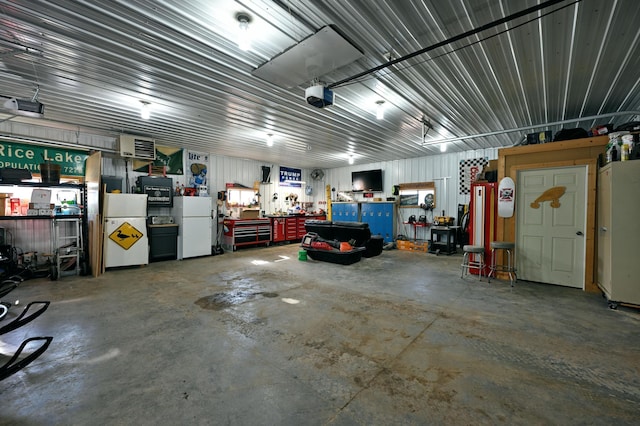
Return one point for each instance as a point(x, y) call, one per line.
point(557, 154)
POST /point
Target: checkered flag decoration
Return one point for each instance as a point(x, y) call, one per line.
point(469, 171)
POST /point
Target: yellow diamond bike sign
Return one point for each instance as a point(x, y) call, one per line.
point(125, 235)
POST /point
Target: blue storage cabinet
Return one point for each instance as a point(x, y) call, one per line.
point(337, 211)
point(381, 219)
point(345, 212)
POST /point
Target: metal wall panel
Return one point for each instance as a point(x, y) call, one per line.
point(92, 63)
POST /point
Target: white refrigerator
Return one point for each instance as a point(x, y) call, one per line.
point(125, 230)
point(193, 215)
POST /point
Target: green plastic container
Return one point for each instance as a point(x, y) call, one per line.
point(302, 255)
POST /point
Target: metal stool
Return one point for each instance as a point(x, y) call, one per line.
point(477, 262)
point(509, 267)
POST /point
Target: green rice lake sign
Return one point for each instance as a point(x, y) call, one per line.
point(25, 156)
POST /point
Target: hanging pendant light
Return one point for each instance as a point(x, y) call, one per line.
point(244, 37)
point(380, 110)
point(145, 110)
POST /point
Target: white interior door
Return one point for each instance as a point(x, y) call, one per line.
point(551, 219)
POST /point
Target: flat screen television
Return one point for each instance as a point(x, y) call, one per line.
point(367, 180)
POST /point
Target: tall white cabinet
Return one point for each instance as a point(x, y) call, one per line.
point(619, 232)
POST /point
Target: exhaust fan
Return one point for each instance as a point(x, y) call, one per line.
point(317, 174)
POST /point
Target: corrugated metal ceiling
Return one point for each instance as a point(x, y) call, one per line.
point(95, 61)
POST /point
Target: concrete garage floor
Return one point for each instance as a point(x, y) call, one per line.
point(257, 337)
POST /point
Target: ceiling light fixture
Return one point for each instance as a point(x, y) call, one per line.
point(351, 159)
point(145, 110)
point(244, 37)
point(380, 110)
point(269, 139)
point(443, 147)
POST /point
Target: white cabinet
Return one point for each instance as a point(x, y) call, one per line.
point(619, 231)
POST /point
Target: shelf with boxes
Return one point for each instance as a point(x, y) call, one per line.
point(41, 200)
point(45, 220)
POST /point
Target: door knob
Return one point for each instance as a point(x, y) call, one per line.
point(579, 233)
point(603, 229)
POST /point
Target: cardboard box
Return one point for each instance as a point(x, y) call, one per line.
point(493, 165)
point(4, 203)
point(44, 212)
point(250, 214)
point(41, 206)
point(41, 196)
point(33, 212)
point(403, 244)
point(489, 172)
point(422, 246)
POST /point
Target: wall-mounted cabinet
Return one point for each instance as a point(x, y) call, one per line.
point(421, 194)
point(243, 203)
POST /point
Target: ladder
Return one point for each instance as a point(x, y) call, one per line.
point(67, 240)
